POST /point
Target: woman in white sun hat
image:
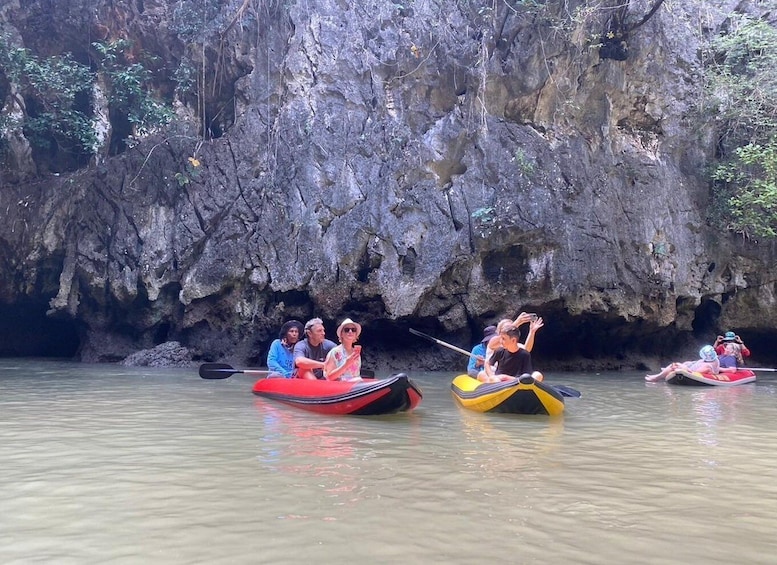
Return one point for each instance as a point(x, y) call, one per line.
point(344, 362)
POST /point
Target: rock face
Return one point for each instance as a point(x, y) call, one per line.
point(431, 164)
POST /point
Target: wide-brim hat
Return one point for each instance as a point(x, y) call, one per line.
point(291, 324)
point(488, 333)
point(348, 322)
point(729, 336)
point(707, 353)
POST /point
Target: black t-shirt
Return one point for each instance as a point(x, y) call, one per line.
point(513, 364)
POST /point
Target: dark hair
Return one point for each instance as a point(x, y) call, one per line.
point(514, 332)
point(288, 325)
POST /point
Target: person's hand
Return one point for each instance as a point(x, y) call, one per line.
point(523, 318)
point(357, 351)
point(719, 339)
point(536, 324)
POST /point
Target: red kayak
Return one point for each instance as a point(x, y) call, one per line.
point(369, 397)
point(685, 377)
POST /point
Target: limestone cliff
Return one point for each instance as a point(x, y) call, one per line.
point(420, 164)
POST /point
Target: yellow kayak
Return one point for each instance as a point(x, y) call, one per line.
point(521, 396)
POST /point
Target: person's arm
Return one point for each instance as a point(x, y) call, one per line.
point(533, 327)
point(476, 359)
point(331, 371)
point(491, 365)
point(301, 361)
point(523, 318)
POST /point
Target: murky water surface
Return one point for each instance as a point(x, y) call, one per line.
point(106, 464)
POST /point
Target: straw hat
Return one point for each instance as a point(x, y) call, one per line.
point(348, 322)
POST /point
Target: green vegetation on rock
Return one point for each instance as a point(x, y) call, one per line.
point(741, 75)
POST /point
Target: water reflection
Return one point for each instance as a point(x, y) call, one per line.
point(507, 443)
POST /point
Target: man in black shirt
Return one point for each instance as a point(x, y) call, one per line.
point(509, 361)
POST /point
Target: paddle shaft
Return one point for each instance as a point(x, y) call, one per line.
point(756, 369)
point(224, 371)
point(444, 344)
point(563, 390)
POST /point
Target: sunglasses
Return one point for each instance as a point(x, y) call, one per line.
point(350, 330)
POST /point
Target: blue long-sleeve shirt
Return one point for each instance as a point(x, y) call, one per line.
point(479, 349)
point(280, 359)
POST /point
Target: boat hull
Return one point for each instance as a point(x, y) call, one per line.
point(684, 377)
point(521, 396)
point(369, 397)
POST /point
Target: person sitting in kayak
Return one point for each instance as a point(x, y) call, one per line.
point(731, 337)
point(524, 349)
point(344, 362)
point(478, 353)
point(534, 322)
point(280, 357)
point(706, 363)
point(310, 353)
point(508, 362)
point(731, 356)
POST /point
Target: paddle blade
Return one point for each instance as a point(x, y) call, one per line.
point(217, 371)
point(567, 391)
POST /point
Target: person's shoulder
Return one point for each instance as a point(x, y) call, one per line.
point(329, 344)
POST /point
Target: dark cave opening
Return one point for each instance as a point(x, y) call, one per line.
point(28, 332)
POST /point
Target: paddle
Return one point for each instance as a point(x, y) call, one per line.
point(440, 342)
point(224, 371)
point(756, 369)
point(567, 391)
point(562, 390)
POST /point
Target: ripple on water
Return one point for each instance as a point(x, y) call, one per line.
point(112, 464)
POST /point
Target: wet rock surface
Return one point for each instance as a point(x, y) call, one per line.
point(433, 170)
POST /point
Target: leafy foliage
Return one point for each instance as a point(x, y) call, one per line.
point(55, 90)
point(57, 96)
point(742, 82)
point(753, 207)
point(130, 87)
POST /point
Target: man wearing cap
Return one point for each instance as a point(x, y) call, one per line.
point(730, 337)
point(310, 353)
point(478, 354)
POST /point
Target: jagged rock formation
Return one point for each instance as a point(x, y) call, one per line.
point(430, 164)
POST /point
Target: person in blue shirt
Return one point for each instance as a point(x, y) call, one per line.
point(478, 356)
point(280, 357)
